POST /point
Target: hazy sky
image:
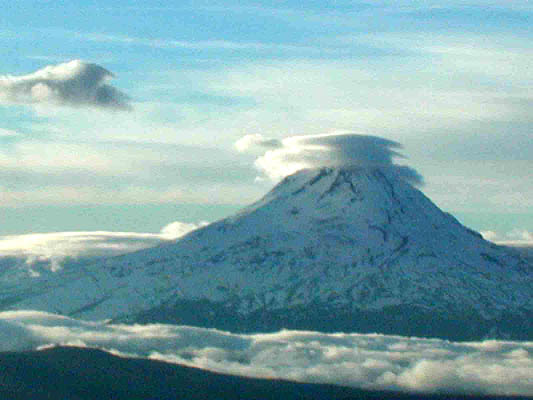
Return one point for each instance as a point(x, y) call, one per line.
point(141, 131)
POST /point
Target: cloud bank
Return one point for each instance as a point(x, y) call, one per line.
point(291, 154)
point(74, 83)
point(52, 249)
point(517, 237)
point(367, 361)
point(519, 240)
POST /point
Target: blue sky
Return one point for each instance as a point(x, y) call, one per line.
point(450, 80)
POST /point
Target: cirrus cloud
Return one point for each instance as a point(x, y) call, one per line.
point(74, 83)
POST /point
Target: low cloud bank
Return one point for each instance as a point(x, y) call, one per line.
point(75, 83)
point(53, 248)
point(282, 158)
point(516, 237)
point(367, 361)
point(520, 240)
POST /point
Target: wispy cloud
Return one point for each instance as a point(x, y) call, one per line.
point(220, 44)
point(468, 55)
point(519, 5)
point(366, 361)
point(92, 172)
point(374, 96)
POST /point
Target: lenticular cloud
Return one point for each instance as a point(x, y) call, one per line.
point(285, 157)
point(74, 83)
point(367, 361)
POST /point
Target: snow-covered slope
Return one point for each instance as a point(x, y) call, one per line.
point(331, 249)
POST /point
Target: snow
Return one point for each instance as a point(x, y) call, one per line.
point(352, 238)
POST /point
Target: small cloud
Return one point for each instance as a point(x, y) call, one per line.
point(7, 133)
point(329, 150)
point(74, 83)
point(178, 229)
point(490, 235)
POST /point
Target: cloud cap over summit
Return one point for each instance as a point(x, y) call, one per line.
point(74, 83)
point(293, 153)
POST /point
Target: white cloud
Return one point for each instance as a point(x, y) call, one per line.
point(74, 244)
point(53, 249)
point(328, 150)
point(177, 229)
point(490, 235)
point(73, 83)
point(516, 237)
point(368, 361)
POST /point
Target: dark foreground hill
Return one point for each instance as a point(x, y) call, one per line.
point(80, 373)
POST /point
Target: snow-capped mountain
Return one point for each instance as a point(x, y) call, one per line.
point(333, 249)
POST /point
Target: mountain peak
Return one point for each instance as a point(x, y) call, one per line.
point(358, 197)
point(333, 249)
point(335, 177)
point(319, 184)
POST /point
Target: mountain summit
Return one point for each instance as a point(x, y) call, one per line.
point(353, 249)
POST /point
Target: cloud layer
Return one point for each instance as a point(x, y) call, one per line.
point(368, 361)
point(48, 171)
point(329, 150)
point(74, 83)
